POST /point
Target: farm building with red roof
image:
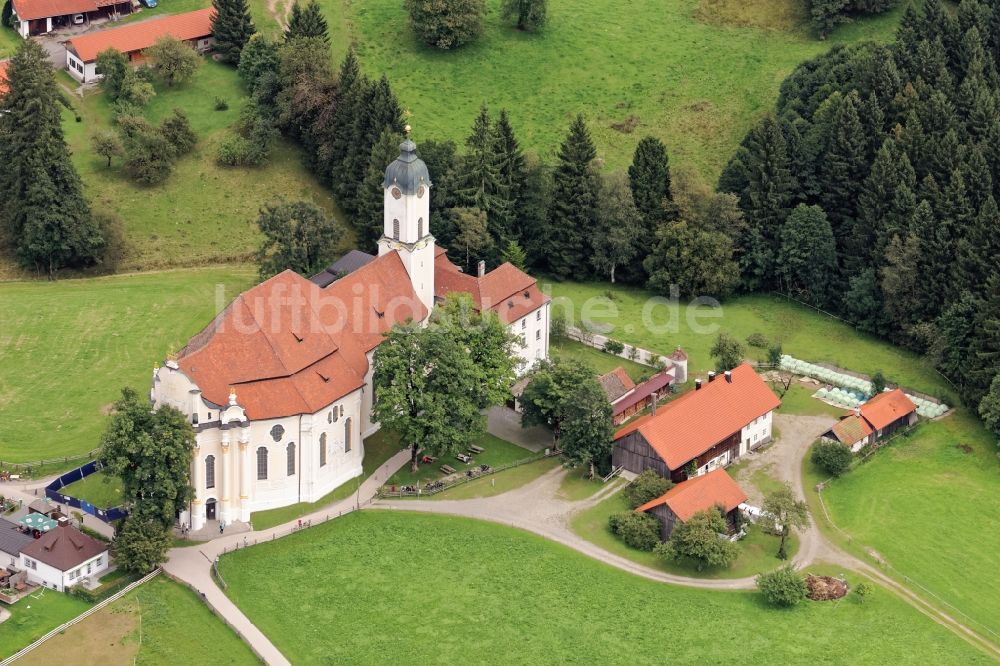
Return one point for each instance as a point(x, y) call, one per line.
point(279, 385)
point(195, 28)
point(37, 17)
point(711, 426)
point(687, 498)
point(877, 418)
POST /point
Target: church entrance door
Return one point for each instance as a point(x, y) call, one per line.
point(210, 509)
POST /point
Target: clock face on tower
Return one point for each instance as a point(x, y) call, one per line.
point(396, 193)
point(420, 192)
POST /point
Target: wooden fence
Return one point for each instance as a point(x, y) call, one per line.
point(471, 475)
point(79, 618)
point(19, 467)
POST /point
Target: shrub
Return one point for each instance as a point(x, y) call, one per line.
point(647, 486)
point(614, 347)
point(177, 130)
point(782, 587)
point(698, 539)
point(633, 353)
point(638, 530)
point(863, 591)
point(446, 24)
point(878, 383)
point(774, 353)
point(833, 458)
point(758, 340)
point(80, 592)
point(221, 104)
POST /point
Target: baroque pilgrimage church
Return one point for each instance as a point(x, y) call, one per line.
point(279, 386)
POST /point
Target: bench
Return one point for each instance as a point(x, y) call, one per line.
point(476, 449)
point(447, 469)
point(464, 458)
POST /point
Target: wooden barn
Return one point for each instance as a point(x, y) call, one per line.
point(875, 419)
point(683, 501)
point(711, 426)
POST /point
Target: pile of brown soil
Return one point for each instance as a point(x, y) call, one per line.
point(825, 588)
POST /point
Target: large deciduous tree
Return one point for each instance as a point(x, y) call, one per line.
point(547, 398)
point(151, 452)
point(173, 60)
point(426, 388)
point(573, 213)
point(446, 24)
point(727, 352)
point(141, 545)
point(231, 28)
point(587, 430)
point(44, 215)
point(297, 236)
point(698, 262)
point(620, 232)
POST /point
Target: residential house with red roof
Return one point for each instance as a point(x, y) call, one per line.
point(63, 557)
point(279, 385)
point(709, 427)
point(697, 494)
point(37, 17)
point(876, 418)
point(133, 39)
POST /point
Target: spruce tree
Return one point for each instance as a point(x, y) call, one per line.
point(484, 188)
point(879, 216)
point(378, 109)
point(232, 28)
point(308, 22)
point(44, 212)
point(807, 261)
point(956, 332)
point(369, 218)
point(984, 361)
point(649, 178)
point(573, 214)
point(351, 86)
point(512, 175)
point(843, 171)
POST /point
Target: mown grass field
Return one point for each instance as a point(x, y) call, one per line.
point(102, 490)
point(799, 401)
point(203, 213)
point(925, 506)
point(67, 348)
point(410, 588)
point(758, 550)
point(641, 317)
point(32, 618)
point(600, 361)
point(162, 622)
point(695, 73)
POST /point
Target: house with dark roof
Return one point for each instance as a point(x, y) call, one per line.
point(12, 541)
point(704, 429)
point(279, 386)
point(37, 17)
point(63, 557)
point(133, 39)
point(643, 396)
point(874, 419)
point(697, 494)
point(616, 384)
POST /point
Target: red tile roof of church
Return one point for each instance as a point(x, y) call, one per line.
point(507, 290)
point(690, 425)
point(289, 347)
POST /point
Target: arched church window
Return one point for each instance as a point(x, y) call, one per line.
point(262, 463)
point(420, 228)
point(420, 192)
point(210, 472)
point(395, 229)
point(347, 436)
point(322, 450)
point(290, 453)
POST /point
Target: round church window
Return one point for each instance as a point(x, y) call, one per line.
point(420, 192)
point(396, 193)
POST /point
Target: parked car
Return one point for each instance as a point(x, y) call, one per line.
point(149, 3)
point(78, 19)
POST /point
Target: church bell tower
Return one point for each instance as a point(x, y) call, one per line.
point(406, 216)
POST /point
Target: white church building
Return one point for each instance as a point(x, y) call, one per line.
point(278, 387)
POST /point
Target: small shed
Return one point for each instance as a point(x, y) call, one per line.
point(701, 493)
